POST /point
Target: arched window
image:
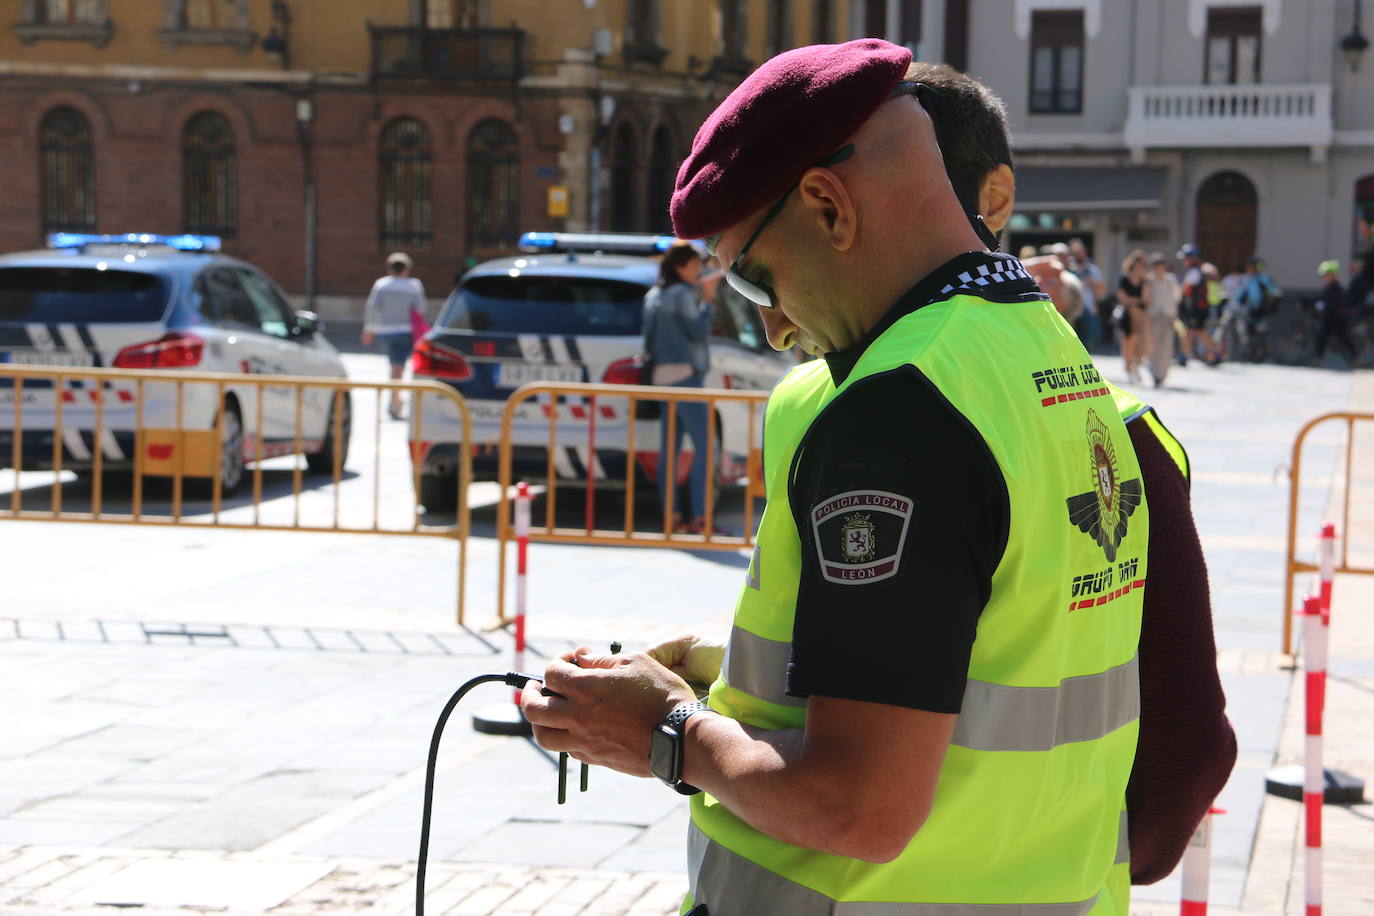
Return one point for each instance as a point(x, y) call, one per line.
point(493, 185)
point(66, 171)
point(624, 158)
point(209, 191)
point(1227, 216)
point(406, 160)
point(660, 184)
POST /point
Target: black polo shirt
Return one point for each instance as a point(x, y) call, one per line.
point(903, 516)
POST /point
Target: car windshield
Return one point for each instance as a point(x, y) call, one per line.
point(82, 295)
point(546, 305)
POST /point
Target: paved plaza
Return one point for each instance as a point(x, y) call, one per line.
point(219, 721)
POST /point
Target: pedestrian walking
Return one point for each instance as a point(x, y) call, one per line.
point(1133, 321)
point(387, 320)
point(1161, 297)
point(677, 328)
point(1091, 324)
point(1334, 313)
point(1194, 308)
point(879, 648)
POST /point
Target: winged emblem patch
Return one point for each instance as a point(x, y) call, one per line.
point(1103, 512)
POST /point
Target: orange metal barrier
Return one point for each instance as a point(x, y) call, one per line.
point(1294, 566)
point(173, 424)
point(581, 404)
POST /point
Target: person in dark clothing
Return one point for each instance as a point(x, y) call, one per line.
point(1187, 747)
point(1334, 312)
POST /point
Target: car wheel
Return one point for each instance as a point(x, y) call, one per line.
point(438, 492)
point(322, 462)
point(231, 463)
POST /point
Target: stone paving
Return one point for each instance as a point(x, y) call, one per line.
point(270, 758)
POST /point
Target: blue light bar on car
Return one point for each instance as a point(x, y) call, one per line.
point(183, 242)
point(608, 242)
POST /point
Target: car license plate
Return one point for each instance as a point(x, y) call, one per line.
point(51, 358)
point(513, 375)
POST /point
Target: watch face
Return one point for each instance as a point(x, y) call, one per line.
point(663, 745)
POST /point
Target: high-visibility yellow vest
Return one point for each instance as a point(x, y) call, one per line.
point(1133, 410)
point(1029, 813)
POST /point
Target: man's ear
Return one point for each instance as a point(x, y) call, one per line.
point(997, 197)
point(826, 200)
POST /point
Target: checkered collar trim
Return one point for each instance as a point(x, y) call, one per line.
point(998, 270)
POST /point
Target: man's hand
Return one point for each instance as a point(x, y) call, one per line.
point(368, 338)
point(606, 708)
point(692, 658)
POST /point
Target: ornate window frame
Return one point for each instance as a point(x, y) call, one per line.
point(175, 32)
point(1092, 15)
point(1270, 11)
point(647, 47)
point(31, 26)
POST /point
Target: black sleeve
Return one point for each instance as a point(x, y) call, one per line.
point(903, 514)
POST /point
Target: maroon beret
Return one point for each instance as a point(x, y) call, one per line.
point(789, 114)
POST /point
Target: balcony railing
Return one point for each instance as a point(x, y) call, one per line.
point(415, 52)
point(1229, 116)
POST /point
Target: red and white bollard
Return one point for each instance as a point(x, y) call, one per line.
point(1326, 565)
point(522, 555)
point(1197, 867)
point(1314, 638)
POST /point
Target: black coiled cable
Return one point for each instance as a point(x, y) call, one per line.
point(511, 679)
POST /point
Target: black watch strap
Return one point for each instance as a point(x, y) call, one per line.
point(682, 712)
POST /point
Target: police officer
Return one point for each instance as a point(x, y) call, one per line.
point(930, 693)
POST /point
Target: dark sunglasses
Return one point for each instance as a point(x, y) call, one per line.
point(762, 294)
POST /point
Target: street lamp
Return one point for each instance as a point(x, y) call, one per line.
point(305, 114)
point(1354, 44)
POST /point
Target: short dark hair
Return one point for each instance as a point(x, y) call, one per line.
point(979, 129)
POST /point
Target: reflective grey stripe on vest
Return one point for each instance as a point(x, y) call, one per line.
point(994, 717)
point(1123, 842)
point(731, 885)
point(758, 667)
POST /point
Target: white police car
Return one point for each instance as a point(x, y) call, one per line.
point(164, 303)
point(571, 311)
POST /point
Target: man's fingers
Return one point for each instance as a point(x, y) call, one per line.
point(551, 739)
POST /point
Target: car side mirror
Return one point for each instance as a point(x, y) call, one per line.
point(308, 324)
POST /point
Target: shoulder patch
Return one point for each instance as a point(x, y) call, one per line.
point(860, 534)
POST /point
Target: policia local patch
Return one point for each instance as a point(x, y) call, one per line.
point(859, 535)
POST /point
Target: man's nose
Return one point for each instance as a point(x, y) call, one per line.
point(778, 327)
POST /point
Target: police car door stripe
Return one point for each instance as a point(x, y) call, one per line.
point(110, 445)
point(994, 717)
point(76, 443)
point(727, 883)
point(547, 348)
point(557, 350)
point(758, 666)
point(39, 337)
point(70, 338)
point(86, 339)
point(574, 351)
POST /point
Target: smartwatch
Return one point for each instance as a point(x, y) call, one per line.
point(665, 747)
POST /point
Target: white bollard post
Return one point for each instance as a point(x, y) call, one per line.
point(1197, 867)
point(1326, 564)
point(1314, 637)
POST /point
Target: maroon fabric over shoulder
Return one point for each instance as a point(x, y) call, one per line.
point(1186, 748)
point(789, 114)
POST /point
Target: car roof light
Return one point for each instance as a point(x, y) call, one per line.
point(605, 242)
point(183, 242)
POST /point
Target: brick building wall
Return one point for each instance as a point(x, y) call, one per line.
point(137, 139)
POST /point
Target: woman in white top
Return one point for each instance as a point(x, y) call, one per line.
point(1161, 306)
point(677, 327)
